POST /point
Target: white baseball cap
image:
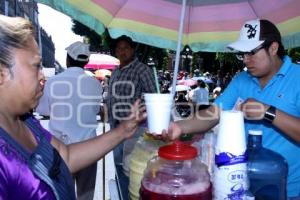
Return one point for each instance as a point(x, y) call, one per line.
point(254, 33)
point(79, 51)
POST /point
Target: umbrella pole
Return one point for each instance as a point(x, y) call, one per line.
point(103, 159)
point(103, 171)
point(183, 8)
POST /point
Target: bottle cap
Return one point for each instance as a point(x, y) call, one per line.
point(177, 151)
point(255, 132)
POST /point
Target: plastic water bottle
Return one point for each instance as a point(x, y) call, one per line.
point(267, 170)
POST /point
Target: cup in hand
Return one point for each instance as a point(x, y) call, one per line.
point(158, 107)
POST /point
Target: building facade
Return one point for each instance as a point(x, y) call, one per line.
point(48, 49)
point(29, 10)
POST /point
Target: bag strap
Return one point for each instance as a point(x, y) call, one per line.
point(52, 169)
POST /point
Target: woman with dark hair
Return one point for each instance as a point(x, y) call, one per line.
point(34, 165)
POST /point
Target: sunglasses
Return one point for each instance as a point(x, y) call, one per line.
point(241, 55)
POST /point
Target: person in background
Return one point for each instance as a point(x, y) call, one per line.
point(182, 105)
point(217, 92)
point(186, 76)
point(166, 82)
point(200, 96)
point(128, 82)
point(105, 87)
point(196, 73)
point(72, 100)
point(34, 165)
point(269, 90)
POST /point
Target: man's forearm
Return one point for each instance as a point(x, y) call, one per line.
point(202, 121)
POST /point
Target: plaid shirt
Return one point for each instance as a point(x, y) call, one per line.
point(125, 86)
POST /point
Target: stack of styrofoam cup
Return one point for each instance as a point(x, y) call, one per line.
point(158, 108)
point(230, 170)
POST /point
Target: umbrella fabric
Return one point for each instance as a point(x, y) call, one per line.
point(196, 78)
point(206, 80)
point(102, 61)
point(101, 73)
point(180, 88)
point(209, 25)
point(188, 82)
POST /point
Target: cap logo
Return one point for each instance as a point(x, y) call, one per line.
point(251, 30)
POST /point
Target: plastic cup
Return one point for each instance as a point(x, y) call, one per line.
point(231, 137)
point(158, 107)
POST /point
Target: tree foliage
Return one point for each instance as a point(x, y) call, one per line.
point(227, 58)
point(294, 54)
point(144, 52)
point(97, 42)
point(104, 43)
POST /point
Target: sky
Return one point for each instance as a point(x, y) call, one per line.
point(58, 26)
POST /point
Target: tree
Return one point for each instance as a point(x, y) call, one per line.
point(104, 43)
point(159, 55)
point(97, 42)
point(294, 54)
point(196, 61)
point(228, 62)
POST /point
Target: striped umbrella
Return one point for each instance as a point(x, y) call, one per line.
point(204, 25)
point(188, 82)
point(208, 24)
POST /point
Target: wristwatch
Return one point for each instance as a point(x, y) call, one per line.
point(270, 114)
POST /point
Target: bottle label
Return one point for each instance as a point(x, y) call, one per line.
point(230, 182)
point(230, 176)
point(226, 158)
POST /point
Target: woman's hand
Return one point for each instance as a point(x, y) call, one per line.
point(137, 114)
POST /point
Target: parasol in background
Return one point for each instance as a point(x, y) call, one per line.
point(180, 88)
point(187, 82)
point(102, 61)
point(205, 79)
point(101, 73)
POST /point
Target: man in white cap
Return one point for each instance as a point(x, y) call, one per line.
point(72, 100)
point(270, 92)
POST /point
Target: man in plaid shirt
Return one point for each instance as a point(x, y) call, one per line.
point(127, 83)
